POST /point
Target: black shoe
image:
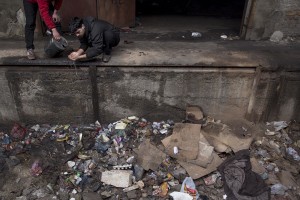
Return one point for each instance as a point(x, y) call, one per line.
point(106, 58)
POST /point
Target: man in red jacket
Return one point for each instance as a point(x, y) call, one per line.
point(49, 14)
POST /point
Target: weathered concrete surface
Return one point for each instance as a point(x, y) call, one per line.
point(277, 96)
point(268, 16)
point(146, 50)
point(8, 111)
point(158, 93)
point(63, 94)
point(155, 79)
point(52, 95)
point(12, 18)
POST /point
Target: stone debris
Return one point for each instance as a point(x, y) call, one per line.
point(276, 36)
point(134, 158)
point(139, 184)
point(117, 178)
point(149, 157)
point(194, 114)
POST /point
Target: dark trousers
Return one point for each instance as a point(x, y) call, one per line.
point(111, 39)
point(30, 14)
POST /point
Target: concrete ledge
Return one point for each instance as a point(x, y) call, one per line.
point(235, 53)
point(154, 79)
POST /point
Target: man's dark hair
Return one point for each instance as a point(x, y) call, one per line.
point(75, 24)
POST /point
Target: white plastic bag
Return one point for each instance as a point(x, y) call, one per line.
point(181, 196)
point(189, 187)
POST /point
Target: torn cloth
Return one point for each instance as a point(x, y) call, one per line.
point(240, 182)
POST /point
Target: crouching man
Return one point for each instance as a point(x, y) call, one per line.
point(97, 37)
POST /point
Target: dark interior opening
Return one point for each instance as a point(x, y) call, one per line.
point(214, 8)
point(212, 17)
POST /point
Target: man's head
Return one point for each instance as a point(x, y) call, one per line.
point(77, 27)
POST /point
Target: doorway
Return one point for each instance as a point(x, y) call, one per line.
point(211, 18)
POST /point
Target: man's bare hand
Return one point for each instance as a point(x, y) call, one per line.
point(74, 56)
point(56, 34)
point(55, 17)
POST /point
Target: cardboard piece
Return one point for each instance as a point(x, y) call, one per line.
point(222, 133)
point(200, 154)
point(186, 138)
point(196, 171)
point(256, 166)
point(149, 157)
point(206, 157)
point(287, 179)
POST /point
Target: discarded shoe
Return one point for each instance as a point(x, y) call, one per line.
point(106, 58)
point(31, 54)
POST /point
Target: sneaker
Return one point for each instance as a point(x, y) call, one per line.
point(106, 58)
point(30, 54)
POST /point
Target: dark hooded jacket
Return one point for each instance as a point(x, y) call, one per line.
point(93, 37)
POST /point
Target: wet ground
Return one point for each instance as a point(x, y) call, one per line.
point(68, 161)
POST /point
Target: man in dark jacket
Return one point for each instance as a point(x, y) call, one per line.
point(96, 37)
point(49, 14)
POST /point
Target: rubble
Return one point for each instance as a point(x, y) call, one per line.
point(276, 36)
point(194, 114)
point(137, 159)
point(117, 178)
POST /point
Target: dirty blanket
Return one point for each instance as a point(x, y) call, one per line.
point(240, 182)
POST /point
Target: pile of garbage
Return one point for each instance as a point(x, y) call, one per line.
point(198, 158)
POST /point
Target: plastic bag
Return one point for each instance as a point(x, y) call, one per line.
point(18, 132)
point(181, 196)
point(278, 189)
point(189, 187)
point(36, 168)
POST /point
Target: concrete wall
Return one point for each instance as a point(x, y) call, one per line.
point(68, 95)
point(47, 95)
point(164, 93)
point(12, 18)
point(268, 16)
point(277, 97)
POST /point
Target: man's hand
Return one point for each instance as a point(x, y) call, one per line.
point(56, 34)
point(55, 17)
point(77, 55)
point(74, 56)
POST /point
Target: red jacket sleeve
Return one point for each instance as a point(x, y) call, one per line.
point(44, 11)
